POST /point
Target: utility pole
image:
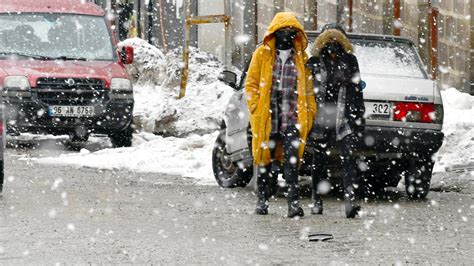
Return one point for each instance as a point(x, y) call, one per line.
point(339, 11)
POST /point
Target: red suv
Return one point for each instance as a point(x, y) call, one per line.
point(61, 71)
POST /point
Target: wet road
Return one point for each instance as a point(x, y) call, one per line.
point(69, 215)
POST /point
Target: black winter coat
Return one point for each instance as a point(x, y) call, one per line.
point(344, 71)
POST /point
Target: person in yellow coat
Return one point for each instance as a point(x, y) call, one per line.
point(281, 103)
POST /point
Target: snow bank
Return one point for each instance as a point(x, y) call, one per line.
point(157, 79)
point(149, 63)
point(458, 127)
point(189, 157)
point(457, 152)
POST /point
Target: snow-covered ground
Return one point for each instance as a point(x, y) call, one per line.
point(191, 123)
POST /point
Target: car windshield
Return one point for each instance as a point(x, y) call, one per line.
point(388, 58)
point(55, 36)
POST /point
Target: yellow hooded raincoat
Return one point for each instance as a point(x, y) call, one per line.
point(258, 87)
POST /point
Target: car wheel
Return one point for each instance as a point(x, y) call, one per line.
point(381, 176)
point(418, 178)
point(122, 138)
point(226, 172)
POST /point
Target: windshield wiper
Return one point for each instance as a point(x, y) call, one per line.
point(69, 58)
point(34, 56)
point(42, 57)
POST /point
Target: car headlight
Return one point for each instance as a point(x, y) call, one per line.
point(120, 84)
point(16, 83)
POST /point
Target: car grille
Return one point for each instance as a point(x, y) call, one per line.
point(70, 91)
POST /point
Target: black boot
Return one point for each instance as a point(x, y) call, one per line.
point(352, 209)
point(262, 206)
point(317, 204)
point(294, 208)
point(262, 191)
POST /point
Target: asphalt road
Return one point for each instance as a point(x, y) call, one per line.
point(68, 215)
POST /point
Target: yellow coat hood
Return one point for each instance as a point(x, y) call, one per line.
point(283, 20)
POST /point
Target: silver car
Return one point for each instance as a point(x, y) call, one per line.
point(404, 117)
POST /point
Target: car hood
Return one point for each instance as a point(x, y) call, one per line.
point(403, 89)
point(34, 69)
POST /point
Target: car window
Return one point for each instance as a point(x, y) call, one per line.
point(56, 35)
point(388, 58)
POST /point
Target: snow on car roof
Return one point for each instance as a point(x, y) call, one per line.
point(51, 6)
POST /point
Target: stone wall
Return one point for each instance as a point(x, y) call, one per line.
point(455, 43)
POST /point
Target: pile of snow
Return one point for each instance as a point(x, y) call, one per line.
point(189, 157)
point(157, 109)
point(149, 63)
point(454, 162)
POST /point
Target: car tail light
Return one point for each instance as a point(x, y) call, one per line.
point(417, 112)
point(1, 127)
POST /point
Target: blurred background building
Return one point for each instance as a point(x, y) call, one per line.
point(443, 30)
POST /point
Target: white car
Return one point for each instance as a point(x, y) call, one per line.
point(404, 117)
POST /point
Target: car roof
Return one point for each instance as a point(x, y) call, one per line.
point(51, 6)
point(367, 37)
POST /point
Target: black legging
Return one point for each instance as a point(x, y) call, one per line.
point(320, 160)
point(291, 144)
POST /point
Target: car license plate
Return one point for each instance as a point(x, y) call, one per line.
point(377, 108)
point(71, 111)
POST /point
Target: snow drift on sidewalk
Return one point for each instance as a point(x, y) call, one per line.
point(188, 157)
point(457, 151)
point(157, 79)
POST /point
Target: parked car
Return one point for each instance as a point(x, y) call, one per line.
point(404, 116)
point(61, 71)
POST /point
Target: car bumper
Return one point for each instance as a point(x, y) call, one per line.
point(380, 140)
point(29, 115)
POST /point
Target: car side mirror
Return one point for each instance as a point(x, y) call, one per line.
point(362, 85)
point(229, 78)
point(126, 54)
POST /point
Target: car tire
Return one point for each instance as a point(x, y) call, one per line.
point(227, 173)
point(418, 178)
point(122, 138)
point(381, 176)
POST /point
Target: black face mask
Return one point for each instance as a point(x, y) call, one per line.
point(284, 38)
point(334, 48)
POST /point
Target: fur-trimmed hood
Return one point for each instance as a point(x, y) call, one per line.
point(328, 36)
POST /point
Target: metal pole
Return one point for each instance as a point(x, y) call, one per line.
point(339, 11)
point(396, 17)
point(351, 7)
point(184, 72)
point(434, 41)
point(228, 34)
